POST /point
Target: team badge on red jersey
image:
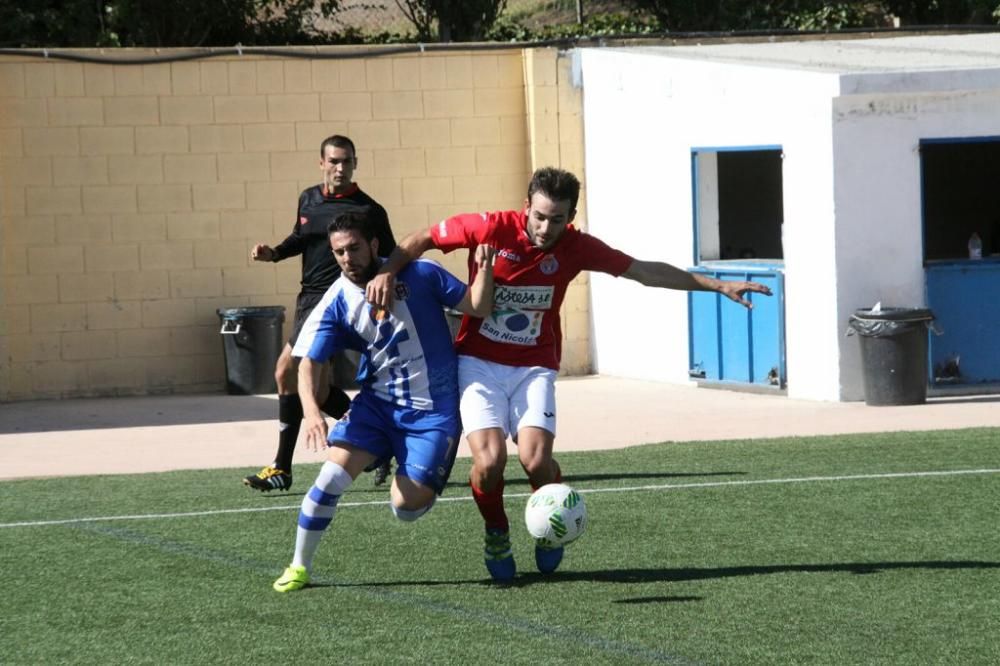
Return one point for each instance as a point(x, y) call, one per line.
point(549, 265)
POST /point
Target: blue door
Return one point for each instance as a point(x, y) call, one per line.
point(729, 343)
point(965, 299)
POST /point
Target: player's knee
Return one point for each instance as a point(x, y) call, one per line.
point(408, 515)
point(540, 469)
point(490, 462)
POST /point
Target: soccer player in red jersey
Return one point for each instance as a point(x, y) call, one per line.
point(508, 361)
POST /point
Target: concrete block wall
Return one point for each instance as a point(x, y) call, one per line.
point(130, 195)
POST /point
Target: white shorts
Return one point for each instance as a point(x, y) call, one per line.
point(506, 396)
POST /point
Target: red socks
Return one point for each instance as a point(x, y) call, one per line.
point(491, 507)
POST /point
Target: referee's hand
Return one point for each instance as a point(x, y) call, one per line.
point(261, 252)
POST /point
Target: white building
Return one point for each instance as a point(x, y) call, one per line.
point(864, 165)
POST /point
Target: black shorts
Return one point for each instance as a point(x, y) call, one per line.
point(304, 304)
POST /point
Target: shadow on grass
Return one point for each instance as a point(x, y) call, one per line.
point(656, 600)
point(634, 576)
point(683, 575)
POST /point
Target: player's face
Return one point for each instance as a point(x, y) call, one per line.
point(338, 166)
point(354, 255)
point(547, 219)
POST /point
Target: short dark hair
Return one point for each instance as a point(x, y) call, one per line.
point(556, 184)
point(355, 220)
point(337, 141)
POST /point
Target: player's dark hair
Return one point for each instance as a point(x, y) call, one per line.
point(556, 184)
point(337, 141)
point(354, 220)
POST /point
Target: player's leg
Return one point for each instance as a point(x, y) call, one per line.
point(484, 408)
point(424, 444)
point(278, 475)
point(533, 418)
point(343, 464)
point(410, 500)
point(489, 456)
point(533, 411)
point(356, 443)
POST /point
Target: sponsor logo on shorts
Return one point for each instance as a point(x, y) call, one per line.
point(549, 415)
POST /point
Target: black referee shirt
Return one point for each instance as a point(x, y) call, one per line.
point(309, 237)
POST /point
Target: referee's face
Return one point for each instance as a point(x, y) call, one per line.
point(354, 254)
point(338, 166)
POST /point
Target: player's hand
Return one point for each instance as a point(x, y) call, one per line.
point(734, 291)
point(316, 431)
point(380, 290)
point(261, 252)
point(485, 256)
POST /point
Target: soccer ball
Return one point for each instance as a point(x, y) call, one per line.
point(555, 515)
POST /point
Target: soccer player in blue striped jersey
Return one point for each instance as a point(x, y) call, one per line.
point(407, 407)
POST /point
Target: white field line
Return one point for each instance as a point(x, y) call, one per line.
point(585, 491)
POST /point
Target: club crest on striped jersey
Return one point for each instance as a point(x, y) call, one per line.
point(402, 291)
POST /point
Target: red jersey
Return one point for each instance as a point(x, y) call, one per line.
point(524, 329)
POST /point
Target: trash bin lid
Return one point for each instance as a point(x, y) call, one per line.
point(894, 314)
point(254, 311)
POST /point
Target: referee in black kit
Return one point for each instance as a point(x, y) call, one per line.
point(318, 206)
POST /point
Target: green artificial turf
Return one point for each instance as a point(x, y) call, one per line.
point(860, 549)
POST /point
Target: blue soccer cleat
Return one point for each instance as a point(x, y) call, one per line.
point(547, 559)
point(498, 556)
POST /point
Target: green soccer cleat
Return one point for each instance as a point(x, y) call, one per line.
point(269, 478)
point(294, 578)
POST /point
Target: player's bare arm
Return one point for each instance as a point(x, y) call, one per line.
point(310, 373)
point(380, 288)
point(478, 299)
point(666, 276)
point(262, 252)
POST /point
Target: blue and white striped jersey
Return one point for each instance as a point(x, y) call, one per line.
point(407, 356)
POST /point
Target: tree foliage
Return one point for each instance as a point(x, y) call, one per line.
point(732, 15)
point(456, 20)
point(163, 23)
point(156, 23)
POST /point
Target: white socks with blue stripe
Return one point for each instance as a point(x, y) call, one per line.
point(318, 507)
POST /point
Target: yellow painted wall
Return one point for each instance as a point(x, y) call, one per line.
point(131, 194)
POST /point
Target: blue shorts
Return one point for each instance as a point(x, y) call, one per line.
point(423, 442)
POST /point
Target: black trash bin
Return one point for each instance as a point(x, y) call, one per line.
point(251, 342)
point(893, 354)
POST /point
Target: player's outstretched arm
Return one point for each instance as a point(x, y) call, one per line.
point(478, 299)
point(310, 373)
point(380, 288)
point(666, 276)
